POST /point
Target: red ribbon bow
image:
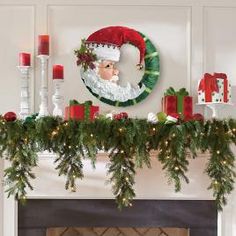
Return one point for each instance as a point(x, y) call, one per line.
point(208, 85)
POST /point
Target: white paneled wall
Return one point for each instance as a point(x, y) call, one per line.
point(167, 27)
point(220, 40)
point(192, 37)
point(1, 197)
point(17, 35)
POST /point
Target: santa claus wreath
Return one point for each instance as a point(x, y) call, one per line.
point(98, 56)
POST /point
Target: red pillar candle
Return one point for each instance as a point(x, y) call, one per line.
point(24, 59)
point(43, 45)
point(58, 72)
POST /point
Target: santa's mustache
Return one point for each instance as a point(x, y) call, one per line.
point(114, 78)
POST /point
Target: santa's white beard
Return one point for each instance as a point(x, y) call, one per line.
point(108, 89)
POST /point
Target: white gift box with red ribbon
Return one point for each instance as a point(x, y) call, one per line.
point(214, 88)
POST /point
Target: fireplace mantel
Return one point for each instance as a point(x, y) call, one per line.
point(94, 184)
point(49, 186)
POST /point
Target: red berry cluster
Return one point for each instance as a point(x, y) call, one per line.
point(86, 59)
point(196, 116)
point(120, 116)
point(85, 56)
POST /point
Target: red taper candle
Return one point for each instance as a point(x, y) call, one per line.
point(24, 59)
point(43, 45)
point(58, 72)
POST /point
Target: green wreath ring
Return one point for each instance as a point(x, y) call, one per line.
point(149, 78)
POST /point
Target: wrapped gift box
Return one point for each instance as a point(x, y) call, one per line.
point(187, 109)
point(169, 104)
point(214, 88)
point(178, 102)
point(85, 111)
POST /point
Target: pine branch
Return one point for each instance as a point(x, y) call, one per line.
point(122, 171)
point(221, 166)
point(129, 142)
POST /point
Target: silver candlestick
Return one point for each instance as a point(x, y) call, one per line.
point(25, 95)
point(43, 108)
point(57, 98)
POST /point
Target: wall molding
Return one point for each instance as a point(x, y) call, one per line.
point(196, 66)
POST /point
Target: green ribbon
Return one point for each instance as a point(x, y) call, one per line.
point(73, 102)
point(86, 104)
point(180, 97)
point(171, 92)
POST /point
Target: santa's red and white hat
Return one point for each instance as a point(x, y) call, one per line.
point(106, 42)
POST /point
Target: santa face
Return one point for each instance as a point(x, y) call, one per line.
point(108, 71)
point(107, 88)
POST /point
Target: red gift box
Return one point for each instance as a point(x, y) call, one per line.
point(177, 102)
point(188, 106)
point(77, 112)
point(169, 104)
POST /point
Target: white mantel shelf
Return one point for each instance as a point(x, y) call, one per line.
point(150, 184)
point(94, 184)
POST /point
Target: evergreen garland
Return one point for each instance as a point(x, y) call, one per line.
point(128, 142)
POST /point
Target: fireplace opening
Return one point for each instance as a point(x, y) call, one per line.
point(70, 217)
point(116, 231)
